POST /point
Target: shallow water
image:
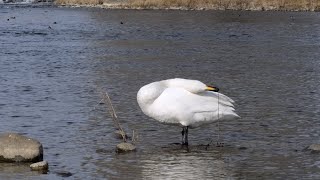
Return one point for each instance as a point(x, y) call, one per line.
point(51, 81)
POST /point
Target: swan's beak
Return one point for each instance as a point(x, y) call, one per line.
point(211, 88)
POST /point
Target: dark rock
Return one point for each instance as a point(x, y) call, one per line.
point(104, 151)
point(40, 166)
point(64, 173)
point(232, 35)
point(125, 147)
point(242, 148)
point(18, 148)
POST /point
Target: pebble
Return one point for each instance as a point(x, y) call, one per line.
point(39, 166)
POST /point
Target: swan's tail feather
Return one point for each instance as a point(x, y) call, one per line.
point(227, 113)
point(223, 99)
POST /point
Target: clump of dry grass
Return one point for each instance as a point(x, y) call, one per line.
point(79, 2)
point(291, 5)
point(230, 4)
point(168, 3)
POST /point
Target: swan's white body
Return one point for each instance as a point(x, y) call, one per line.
point(184, 102)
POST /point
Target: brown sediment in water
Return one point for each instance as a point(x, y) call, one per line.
point(284, 5)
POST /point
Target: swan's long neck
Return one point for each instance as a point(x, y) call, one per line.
point(148, 94)
point(193, 86)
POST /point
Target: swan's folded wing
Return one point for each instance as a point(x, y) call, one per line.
point(176, 105)
point(223, 99)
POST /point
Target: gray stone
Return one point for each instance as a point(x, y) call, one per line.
point(40, 166)
point(18, 148)
point(314, 147)
point(125, 147)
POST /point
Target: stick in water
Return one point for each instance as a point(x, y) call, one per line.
point(114, 116)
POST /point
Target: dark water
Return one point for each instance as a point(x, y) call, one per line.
point(51, 79)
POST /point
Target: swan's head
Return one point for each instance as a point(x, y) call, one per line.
point(193, 86)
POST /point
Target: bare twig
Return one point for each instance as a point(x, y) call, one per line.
point(134, 136)
point(114, 116)
point(94, 108)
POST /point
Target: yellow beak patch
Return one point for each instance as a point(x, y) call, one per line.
point(210, 88)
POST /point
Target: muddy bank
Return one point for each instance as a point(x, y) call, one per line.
point(251, 5)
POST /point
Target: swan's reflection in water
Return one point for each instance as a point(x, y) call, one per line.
point(185, 165)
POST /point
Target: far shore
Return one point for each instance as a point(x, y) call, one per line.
point(247, 5)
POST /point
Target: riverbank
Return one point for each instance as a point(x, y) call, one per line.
point(253, 5)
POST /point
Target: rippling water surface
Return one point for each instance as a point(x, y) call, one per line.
point(55, 62)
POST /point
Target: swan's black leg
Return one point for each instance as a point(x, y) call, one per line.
point(186, 138)
point(182, 132)
point(185, 135)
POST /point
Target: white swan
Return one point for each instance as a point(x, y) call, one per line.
point(184, 102)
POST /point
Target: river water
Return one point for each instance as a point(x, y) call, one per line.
point(56, 62)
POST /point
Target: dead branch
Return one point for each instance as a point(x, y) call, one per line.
point(114, 116)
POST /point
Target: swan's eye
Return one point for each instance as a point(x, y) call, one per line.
point(211, 88)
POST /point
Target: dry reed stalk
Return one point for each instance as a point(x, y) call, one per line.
point(134, 138)
point(114, 116)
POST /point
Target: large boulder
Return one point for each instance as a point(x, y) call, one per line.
point(17, 148)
